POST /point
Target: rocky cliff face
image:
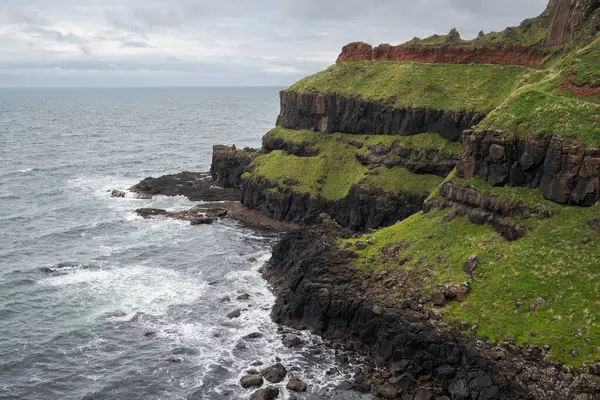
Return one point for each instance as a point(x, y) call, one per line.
point(566, 18)
point(564, 171)
point(360, 210)
point(228, 164)
point(502, 54)
point(336, 113)
point(379, 314)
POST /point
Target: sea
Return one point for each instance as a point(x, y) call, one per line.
point(98, 303)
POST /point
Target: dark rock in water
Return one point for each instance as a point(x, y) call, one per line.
point(470, 265)
point(251, 381)
point(174, 359)
point(386, 391)
point(225, 299)
point(234, 314)
point(202, 221)
point(150, 212)
point(150, 333)
point(345, 386)
point(117, 193)
point(143, 196)
point(292, 341)
point(424, 394)
point(254, 335)
point(275, 373)
point(257, 363)
point(195, 186)
point(268, 393)
point(243, 297)
point(296, 385)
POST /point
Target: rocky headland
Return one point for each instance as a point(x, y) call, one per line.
point(451, 225)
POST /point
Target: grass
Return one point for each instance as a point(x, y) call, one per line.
point(535, 110)
point(336, 169)
point(558, 260)
point(477, 87)
point(585, 65)
point(427, 141)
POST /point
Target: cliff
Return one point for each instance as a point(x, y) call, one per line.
point(456, 198)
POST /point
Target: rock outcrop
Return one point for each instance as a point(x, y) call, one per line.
point(319, 290)
point(228, 164)
point(196, 186)
point(462, 53)
point(336, 113)
point(486, 209)
point(360, 210)
point(565, 19)
point(563, 170)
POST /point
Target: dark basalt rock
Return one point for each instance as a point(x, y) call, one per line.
point(361, 210)
point(196, 186)
point(564, 171)
point(296, 385)
point(229, 163)
point(251, 381)
point(275, 373)
point(150, 212)
point(318, 289)
point(336, 113)
point(268, 393)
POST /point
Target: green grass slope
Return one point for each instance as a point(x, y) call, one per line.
point(558, 260)
point(336, 168)
point(479, 88)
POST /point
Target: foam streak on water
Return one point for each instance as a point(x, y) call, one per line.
point(98, 303)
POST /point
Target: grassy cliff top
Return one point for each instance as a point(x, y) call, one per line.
point(476, 87)
point(566, 103)
point(557, 261)
point(332, 172)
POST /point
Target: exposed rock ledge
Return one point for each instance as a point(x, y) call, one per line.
point(504, 54)
point(485, 209)
point(336, 113)
point(564, 171)
point(360, 210)
point(380, 315)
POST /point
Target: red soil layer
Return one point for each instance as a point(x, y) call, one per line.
point(586, 90)
point(504, 54)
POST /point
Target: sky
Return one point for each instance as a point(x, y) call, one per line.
point(217, 43)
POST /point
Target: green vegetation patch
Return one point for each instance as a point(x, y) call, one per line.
point(557, 261)
point(426, 141)
point(336, 168)
point(535, 110)
point(585, 65)
point(475, 87)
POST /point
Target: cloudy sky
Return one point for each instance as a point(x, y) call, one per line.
point(216, 43)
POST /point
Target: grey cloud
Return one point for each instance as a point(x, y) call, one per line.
point(220, 42)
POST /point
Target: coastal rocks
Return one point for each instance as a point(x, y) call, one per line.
point(299, 149)
point(196, 215)
point(229, 163)
point(117, 193)
point(449, 53)
point(234, 314)
point(566, 18)
point(196, 186)
point(150, 212)
point(275, 373)
point(361, 209)
point(470, 265)
point(318, 289)
point(564, 171)
point(251, 381)
point(292, 341)
point(268, 393)
point(296, 385)
point(332, 112)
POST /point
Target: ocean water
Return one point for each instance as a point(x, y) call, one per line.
point(97, 303)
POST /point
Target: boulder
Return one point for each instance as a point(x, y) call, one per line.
point(296, 385)
point(438, 299)
point(234, 314)
point(150, 212)
point(471, 265)
point(251, 381)
point(268, 393)
point(202, 221)
point(292, 341)
point(275, 373)
point(117, 193)
point(424, 394)
point(386, 391)
point(243, 297)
